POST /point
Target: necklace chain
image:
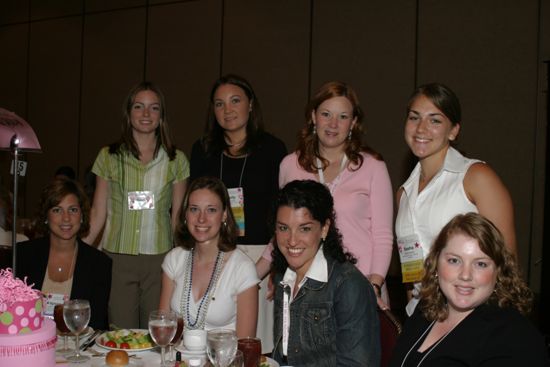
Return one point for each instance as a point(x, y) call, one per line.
point(60, 268)
point(199, 320)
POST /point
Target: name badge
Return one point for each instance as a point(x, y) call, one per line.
point(411, 258)
point(51, 300)
point(236, 197)
point(141, 200)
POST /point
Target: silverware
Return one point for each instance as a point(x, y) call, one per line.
point(90, 341)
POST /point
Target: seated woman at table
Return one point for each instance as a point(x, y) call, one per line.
point(210, 282)
point(325, 309)
point(473, 304)
point(61, 264)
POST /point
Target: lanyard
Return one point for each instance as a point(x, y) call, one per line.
point(242, 170)
point(332, 185)
point(286, 316)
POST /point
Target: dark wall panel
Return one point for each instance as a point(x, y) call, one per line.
point(490, 63)
point(268, 43)
point(53, 100)
point(14, 11)
point(102, 5)
point(377, 59)
point(183, 58)
point(13, 70)
point(113, 63)
point(41, 9)
point(13, 74)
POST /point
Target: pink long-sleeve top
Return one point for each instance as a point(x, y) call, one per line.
point(363, 202)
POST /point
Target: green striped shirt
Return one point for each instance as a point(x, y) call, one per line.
point(146, 231)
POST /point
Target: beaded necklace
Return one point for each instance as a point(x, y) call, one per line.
point(200, 319)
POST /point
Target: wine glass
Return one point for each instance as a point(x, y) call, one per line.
point(221, 346)
point(62, 328)
point(76, 314)
point(238, 361)
point(175, 341)
point(162, 327)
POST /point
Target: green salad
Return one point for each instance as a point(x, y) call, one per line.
point(127, 339)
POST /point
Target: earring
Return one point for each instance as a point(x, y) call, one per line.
point(314, 131)
point(225, 223)
point(46, 221)
point(185, 222)
point(349, 134)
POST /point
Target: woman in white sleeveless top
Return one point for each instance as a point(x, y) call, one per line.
point(444, 183)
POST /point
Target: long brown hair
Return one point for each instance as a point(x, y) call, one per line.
point(308, 141)
point(213, 140)
point(510, 290)
point(127, 141)
point(228, 230)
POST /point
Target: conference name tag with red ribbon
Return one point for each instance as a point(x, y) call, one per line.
point(411, 258)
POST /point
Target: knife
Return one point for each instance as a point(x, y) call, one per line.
point(91, 341)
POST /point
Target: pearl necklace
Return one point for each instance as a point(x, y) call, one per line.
point(200, 319)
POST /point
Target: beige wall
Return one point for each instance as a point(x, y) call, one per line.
point(66, 65)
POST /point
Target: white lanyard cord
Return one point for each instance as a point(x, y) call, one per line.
point(286, 316)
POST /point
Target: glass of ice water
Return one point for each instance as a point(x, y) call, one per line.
point(162, 327)
point(221, 346)
point(76, 314)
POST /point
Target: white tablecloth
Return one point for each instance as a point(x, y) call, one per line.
point(149, 358)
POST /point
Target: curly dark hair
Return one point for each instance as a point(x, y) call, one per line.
point(316, 198)
point(127, 141)
point(213, 140)
point(228, 231)
point(53, 194)
point(510, 290)
point(308, 142)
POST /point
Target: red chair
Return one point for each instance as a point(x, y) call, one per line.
point(390, 328)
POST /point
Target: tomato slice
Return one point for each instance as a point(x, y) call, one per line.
point(124, 346)
point(110, 344)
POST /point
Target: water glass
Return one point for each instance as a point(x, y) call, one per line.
point(162, 328)
point(176, 340)
point(221, 346)
point(76, 314)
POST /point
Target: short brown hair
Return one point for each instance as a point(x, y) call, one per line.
point(53, 194)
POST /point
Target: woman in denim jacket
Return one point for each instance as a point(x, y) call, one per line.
point(325, 309)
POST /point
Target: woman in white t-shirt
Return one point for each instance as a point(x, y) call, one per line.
point(207, 279)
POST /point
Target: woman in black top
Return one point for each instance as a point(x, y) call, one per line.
point(236, 149)
point(473, 304)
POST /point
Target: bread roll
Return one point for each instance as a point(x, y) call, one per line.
point(117, 358)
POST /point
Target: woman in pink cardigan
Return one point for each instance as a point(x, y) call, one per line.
point(330, 151)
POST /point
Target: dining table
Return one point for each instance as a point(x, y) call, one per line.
point(147, 358)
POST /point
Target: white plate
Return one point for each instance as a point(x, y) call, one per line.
point(272, 363)
point(101, 339)
point(132, 363)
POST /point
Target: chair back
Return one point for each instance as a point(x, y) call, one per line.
point(390, 328)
